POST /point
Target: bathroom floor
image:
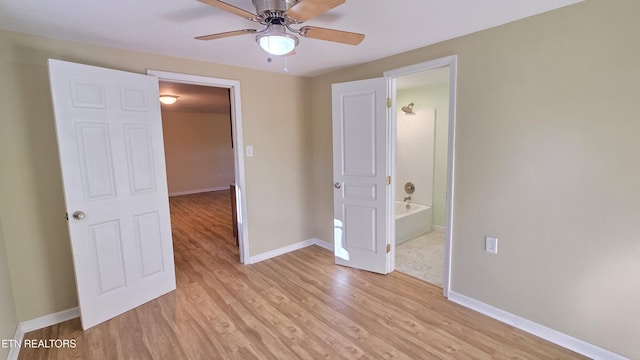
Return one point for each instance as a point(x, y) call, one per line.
point(422, 257)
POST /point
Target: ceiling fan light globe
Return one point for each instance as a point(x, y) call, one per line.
point(277, 43)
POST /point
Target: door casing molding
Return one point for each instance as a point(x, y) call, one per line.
point(392, 75)
point(238, 154)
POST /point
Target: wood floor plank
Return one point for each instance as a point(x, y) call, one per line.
point(330, 310)
point(296, 306)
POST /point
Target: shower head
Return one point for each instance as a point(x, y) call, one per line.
point(408, 109)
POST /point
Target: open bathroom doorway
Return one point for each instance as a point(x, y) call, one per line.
point(421, 168)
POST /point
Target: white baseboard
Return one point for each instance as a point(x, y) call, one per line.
point(438, 228)
point(56, 318)
point(39, 323)
point(523, 324)
point(289, 248)
point(556, 337)
point(324, 244)
point(198, 191)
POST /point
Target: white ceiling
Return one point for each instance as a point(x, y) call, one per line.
point(168, 27)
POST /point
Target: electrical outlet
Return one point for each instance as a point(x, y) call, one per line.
point(491, 245)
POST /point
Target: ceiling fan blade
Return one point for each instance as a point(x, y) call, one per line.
point(226, 34)
point(307, 9)
point(340, 36)
point(230, 8)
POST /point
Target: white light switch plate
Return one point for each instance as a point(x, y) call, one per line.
point(491, 245)
point(249, 151)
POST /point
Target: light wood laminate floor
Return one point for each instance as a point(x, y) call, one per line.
point(296, 306)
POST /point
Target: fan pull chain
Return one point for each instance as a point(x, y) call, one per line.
point(286, 62)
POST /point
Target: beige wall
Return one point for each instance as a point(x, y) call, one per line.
point(547, 161)
point(35, 232)
point(548, 147)
point(8, 319)
point(198, 151)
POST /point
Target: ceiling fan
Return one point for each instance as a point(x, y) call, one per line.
point(278, 16)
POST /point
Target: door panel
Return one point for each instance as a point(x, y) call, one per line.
point(107, 250)
point(360, 233)
point(360, 174)
point(140, 158)
point(96, 162)
point(359, 134)
point(112, 159)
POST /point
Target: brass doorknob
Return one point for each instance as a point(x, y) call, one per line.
point(78, 215)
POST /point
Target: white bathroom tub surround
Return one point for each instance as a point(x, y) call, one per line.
point(413, 221)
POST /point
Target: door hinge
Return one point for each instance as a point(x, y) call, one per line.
point(66, 216)
point(388, 102)
point(388, 248)
point(388, 180)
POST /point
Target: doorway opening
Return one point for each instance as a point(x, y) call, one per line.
point(198, 148)
point(421, 151)
point(215, 112)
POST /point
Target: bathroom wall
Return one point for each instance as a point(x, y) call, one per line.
point(414, 154)
point(434, 97)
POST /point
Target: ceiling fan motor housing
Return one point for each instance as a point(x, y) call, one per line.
point(277, 15)
point(265, 6)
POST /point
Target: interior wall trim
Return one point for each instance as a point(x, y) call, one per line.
point(392, 76)
point(39, 323)
point(56, 318)
point(554, 336)
point(549, 334)
point(198, 191)
point(238, 140)
point(324, 244)
point(289, 248)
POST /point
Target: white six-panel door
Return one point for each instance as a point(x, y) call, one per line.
point(112, 158)
point(360, 164)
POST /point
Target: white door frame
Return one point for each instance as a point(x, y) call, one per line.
point(238, 154)
point(392, 75)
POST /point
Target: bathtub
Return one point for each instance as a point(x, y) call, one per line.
point(411, 222)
